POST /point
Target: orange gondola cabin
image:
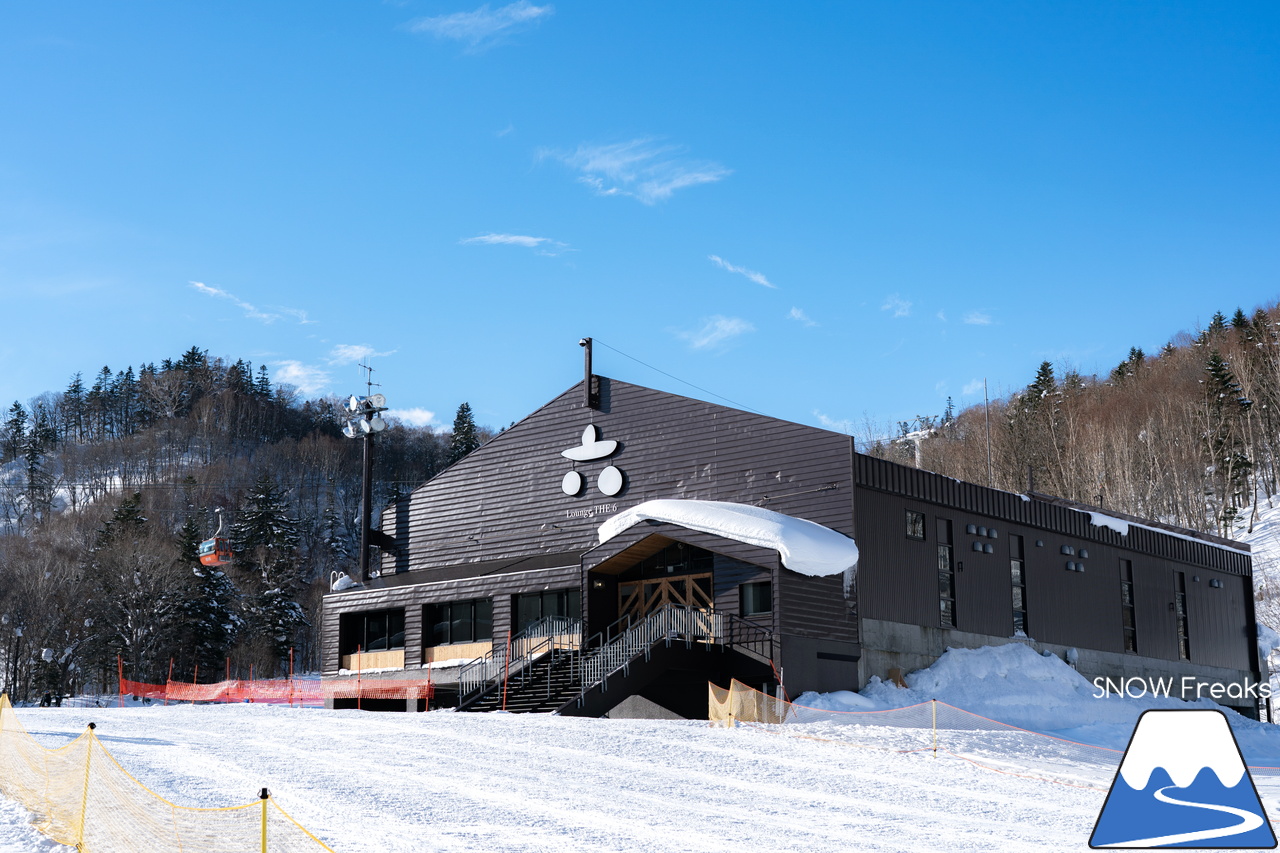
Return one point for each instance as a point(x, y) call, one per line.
point(215, 551)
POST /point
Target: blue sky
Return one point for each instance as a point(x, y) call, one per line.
point(834, 213)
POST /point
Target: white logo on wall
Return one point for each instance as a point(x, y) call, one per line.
point(610, 481)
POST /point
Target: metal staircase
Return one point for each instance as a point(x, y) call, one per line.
point(550, 668)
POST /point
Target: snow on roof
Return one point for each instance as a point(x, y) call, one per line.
point(1119, 525)
point(804, 546)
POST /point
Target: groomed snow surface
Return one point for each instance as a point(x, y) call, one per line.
point(488, 782)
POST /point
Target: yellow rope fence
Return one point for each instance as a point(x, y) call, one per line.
point(83, 798)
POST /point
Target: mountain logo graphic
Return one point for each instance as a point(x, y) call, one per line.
point(1183, 783)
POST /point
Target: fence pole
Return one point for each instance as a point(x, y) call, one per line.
point(195, 679)
point(291, 676)
point(359, 690)
point(226, 694)
point(264, 795)
point(84, 797)
point(120, 674)
point(934, 703)
point(506, 671)
point(167, 682)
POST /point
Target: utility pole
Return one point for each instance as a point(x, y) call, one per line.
point(366, 423)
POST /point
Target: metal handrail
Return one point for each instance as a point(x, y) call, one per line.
point(609, 651)
point(550, 633)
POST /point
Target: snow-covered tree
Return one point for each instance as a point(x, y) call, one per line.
point(265, 540)
point(466, 437)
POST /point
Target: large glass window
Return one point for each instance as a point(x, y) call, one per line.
point(946, 576)
point(460, 621)
point(375, 631)
point(1018, 579)
point(915, 524)
point(1128, 623)
point(756, 598)
point(1180, 600)
point(533, 606)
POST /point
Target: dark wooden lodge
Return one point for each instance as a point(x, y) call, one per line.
point(498, 562)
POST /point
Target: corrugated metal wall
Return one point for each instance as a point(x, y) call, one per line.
point(898, 576)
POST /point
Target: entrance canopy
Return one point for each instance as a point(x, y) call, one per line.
point(804, 546)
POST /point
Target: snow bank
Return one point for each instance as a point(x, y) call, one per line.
point(1014, 684)
point(804, 546)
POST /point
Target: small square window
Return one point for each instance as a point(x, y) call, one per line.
point(915, 525)
point(756, 598)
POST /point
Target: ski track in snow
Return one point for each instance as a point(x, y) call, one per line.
point(486, 782)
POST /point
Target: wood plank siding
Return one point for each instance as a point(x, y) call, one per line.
point(505, 499)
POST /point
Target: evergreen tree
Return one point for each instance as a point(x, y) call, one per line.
point(1225, 409)
point(1239, 320)
point(210, 605)
point(73, 410)
point(15, 433)
point(265, 539)
point(466, 437)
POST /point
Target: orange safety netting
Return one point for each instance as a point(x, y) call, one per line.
point(279, 691)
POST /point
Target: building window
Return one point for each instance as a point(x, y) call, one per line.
point(1180, 607)
point(946, 577)
point(533, 606)
point(451, 622)
point(1127, 619)
point(756, 598)
point(915, 525)
point(376, 631)
point(1018, 578)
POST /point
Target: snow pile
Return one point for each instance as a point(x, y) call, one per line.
point(804, 546)
point(1268, 641)
point(1013, 684)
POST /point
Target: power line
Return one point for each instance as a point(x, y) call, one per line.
point(678, 379)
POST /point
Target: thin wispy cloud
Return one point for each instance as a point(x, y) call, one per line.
point(844, 426)
point(543, 245)
point(250, 310)
point(977, 318)
point(644, 169)
point(306, 378)
point(716, 331)
point(483, 27)
point(942, 316)
point(972, 388)
point(896, 306)
point(354, 353)
point(417, 417)
point(800, 317)
point(757, 277)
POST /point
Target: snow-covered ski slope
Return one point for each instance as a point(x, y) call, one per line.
point(499, 782)
point(505, 782)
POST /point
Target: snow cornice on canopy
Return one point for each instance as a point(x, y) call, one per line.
point(804, 546)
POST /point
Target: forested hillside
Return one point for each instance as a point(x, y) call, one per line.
point(106, 491)
point(1188, 436)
